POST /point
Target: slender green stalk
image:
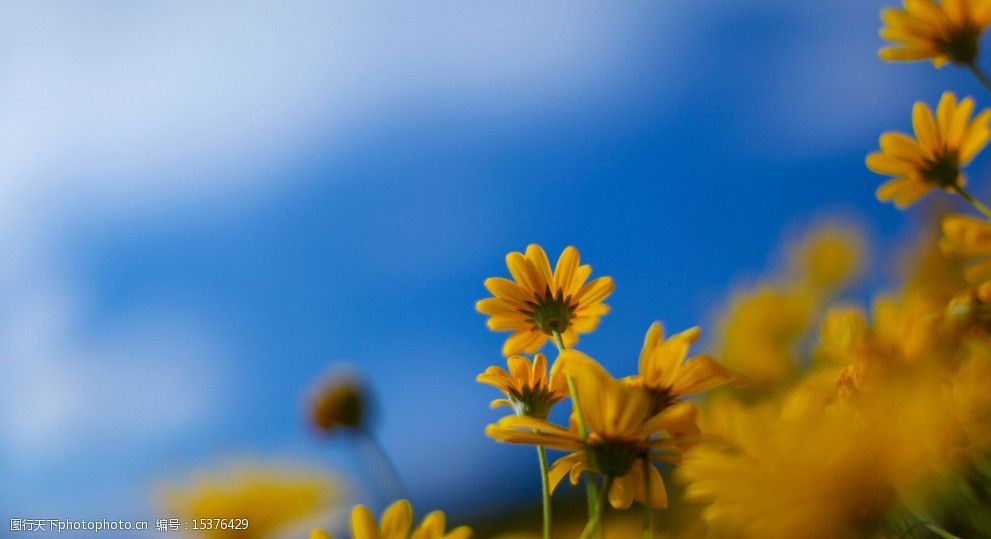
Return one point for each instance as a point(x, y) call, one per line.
point(647, 531)
point(921, 519)
point(545, 490)
point(939, 531)
point(591, 489)
point(980, 74)
point(394, 489)
point(973, 201)
point(593, 529)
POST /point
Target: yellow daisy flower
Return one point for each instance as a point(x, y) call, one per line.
point(622, 438)
point(528, 388)
point(538, 303)
point(943, 145)
point(667, 376)
point(397, 523)
point(942, 32)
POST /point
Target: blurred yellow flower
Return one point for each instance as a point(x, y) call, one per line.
point(943, 145)
point(397, 522)
point(621, 440)
point(537, 303)
point(972, 398)
point(667, 376)
point(970, 237)
point(789, 472)
point(942, 32)
point(829, 257)
point(844, 331)
point(902, 334)
point(272, 498)
point(338, 403)
point(528, 388)
point(760, 331)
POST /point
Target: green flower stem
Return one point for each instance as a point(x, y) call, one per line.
point(647, 531)
point(921, 519)
point(591, 489)
point(593, 529)
point(394, 488)
point(939, 531)
point(980, 74)
point(973, 201)
point(545, 490)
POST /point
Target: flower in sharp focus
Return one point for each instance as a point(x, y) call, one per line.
point(665, 373)
point(944, 143)
point(397, 523)
point(528, 388)
point(338, 403)
point(623, 437)
point(538, 303)
point(942, 32)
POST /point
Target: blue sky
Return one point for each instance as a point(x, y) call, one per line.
point(205, 206)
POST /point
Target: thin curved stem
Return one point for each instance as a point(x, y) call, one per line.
point(977, 204)
point(559, 341)
point(939, 531)
point(647, 531)
point(388, 474)
point(545, 490)
point(924, 521)
point(594, 526)
point(980, 74)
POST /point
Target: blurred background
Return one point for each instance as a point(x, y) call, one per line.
point(204, 206)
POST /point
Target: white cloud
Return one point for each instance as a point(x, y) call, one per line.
point(107, 103)
point(62, 391)
point(120, 111)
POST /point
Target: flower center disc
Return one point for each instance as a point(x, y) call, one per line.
point(962, 46)
point(551, 313)
point(615, 457)
point(943, 171)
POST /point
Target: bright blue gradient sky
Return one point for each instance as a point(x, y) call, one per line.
point(202, 207)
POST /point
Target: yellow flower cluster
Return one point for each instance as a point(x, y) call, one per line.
point(822, 419)
point(855, 422)
point(619, 428)
point(878, 410)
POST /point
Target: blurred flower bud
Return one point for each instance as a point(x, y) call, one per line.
point(339, 402)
